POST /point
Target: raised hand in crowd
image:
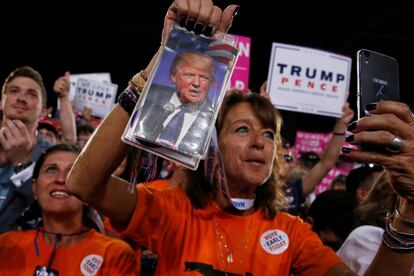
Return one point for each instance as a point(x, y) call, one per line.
point(263, 90)
point(66, 115)
point(313, 176)
point(330, 154)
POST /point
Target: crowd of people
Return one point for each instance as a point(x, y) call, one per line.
point(56, 202)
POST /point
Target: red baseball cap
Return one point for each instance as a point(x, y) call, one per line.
point(50, 124)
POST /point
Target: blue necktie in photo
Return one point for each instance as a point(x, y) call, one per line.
point(173, 128)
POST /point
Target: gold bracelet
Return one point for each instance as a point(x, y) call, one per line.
point(139, 80)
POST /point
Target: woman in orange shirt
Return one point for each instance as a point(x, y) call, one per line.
point(65, 241)
point(232, 223)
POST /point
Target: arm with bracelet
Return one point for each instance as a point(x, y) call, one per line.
point(105, 146)
point(330, 155)
point(393, 120)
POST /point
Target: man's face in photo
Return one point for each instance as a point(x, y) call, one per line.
point(192, 81)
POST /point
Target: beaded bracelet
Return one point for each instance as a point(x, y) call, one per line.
point(129, 97)
point(139, 80)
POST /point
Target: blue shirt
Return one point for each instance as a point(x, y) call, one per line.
point(294, 195)
point(13, 200)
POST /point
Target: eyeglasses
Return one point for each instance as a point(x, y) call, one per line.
point(288, 158)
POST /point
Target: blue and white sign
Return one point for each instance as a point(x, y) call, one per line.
point(308, 80)
point(98, 96)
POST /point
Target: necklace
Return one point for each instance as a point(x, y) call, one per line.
point(226, 252)
point(223, 244)
point(58, 238)
point(64, 235)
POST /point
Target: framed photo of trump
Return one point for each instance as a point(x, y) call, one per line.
point(178, 107)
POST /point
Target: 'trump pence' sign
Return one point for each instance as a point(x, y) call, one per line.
point(100, 97)
point(308, 80)
point(99, 77)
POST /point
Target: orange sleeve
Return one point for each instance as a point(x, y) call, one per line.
point(161, 210)
point(311, 257)
point(120, 259)
point(107, 226)
point(161, 184)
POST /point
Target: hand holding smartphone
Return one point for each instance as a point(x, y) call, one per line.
point(377, 77)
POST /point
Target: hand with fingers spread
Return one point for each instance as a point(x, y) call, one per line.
point(16, 142)
point(390, 130)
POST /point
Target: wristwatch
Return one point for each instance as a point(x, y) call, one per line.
point(21, 166)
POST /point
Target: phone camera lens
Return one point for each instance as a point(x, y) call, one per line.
point(366, 54)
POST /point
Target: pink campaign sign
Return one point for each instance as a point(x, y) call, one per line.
point(317, 142)
point(240, 77)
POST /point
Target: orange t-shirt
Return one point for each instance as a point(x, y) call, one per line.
point(160, 184)
point(189, 241)
point(111, 232)
point(94, 255)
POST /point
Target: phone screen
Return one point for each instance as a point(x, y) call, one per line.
point(378, 79)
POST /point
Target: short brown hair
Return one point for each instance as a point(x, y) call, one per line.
point(27, 72)
point(269, 196)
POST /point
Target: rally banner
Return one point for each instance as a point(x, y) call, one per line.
point(240, 76)
point(308, 80)
point(310, 141)
point(98, 96)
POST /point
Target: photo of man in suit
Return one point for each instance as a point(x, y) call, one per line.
point(179, 117)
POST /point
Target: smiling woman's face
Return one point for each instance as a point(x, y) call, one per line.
point(49, 188)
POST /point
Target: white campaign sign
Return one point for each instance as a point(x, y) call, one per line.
point(308, 80)
point(100, 97)
point(99, 77)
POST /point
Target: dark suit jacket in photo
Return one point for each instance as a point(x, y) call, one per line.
point(156, 110)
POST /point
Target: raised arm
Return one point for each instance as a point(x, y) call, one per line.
point(90, 178)
point(392, 132)
point(331, 153)
point(66, 116)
